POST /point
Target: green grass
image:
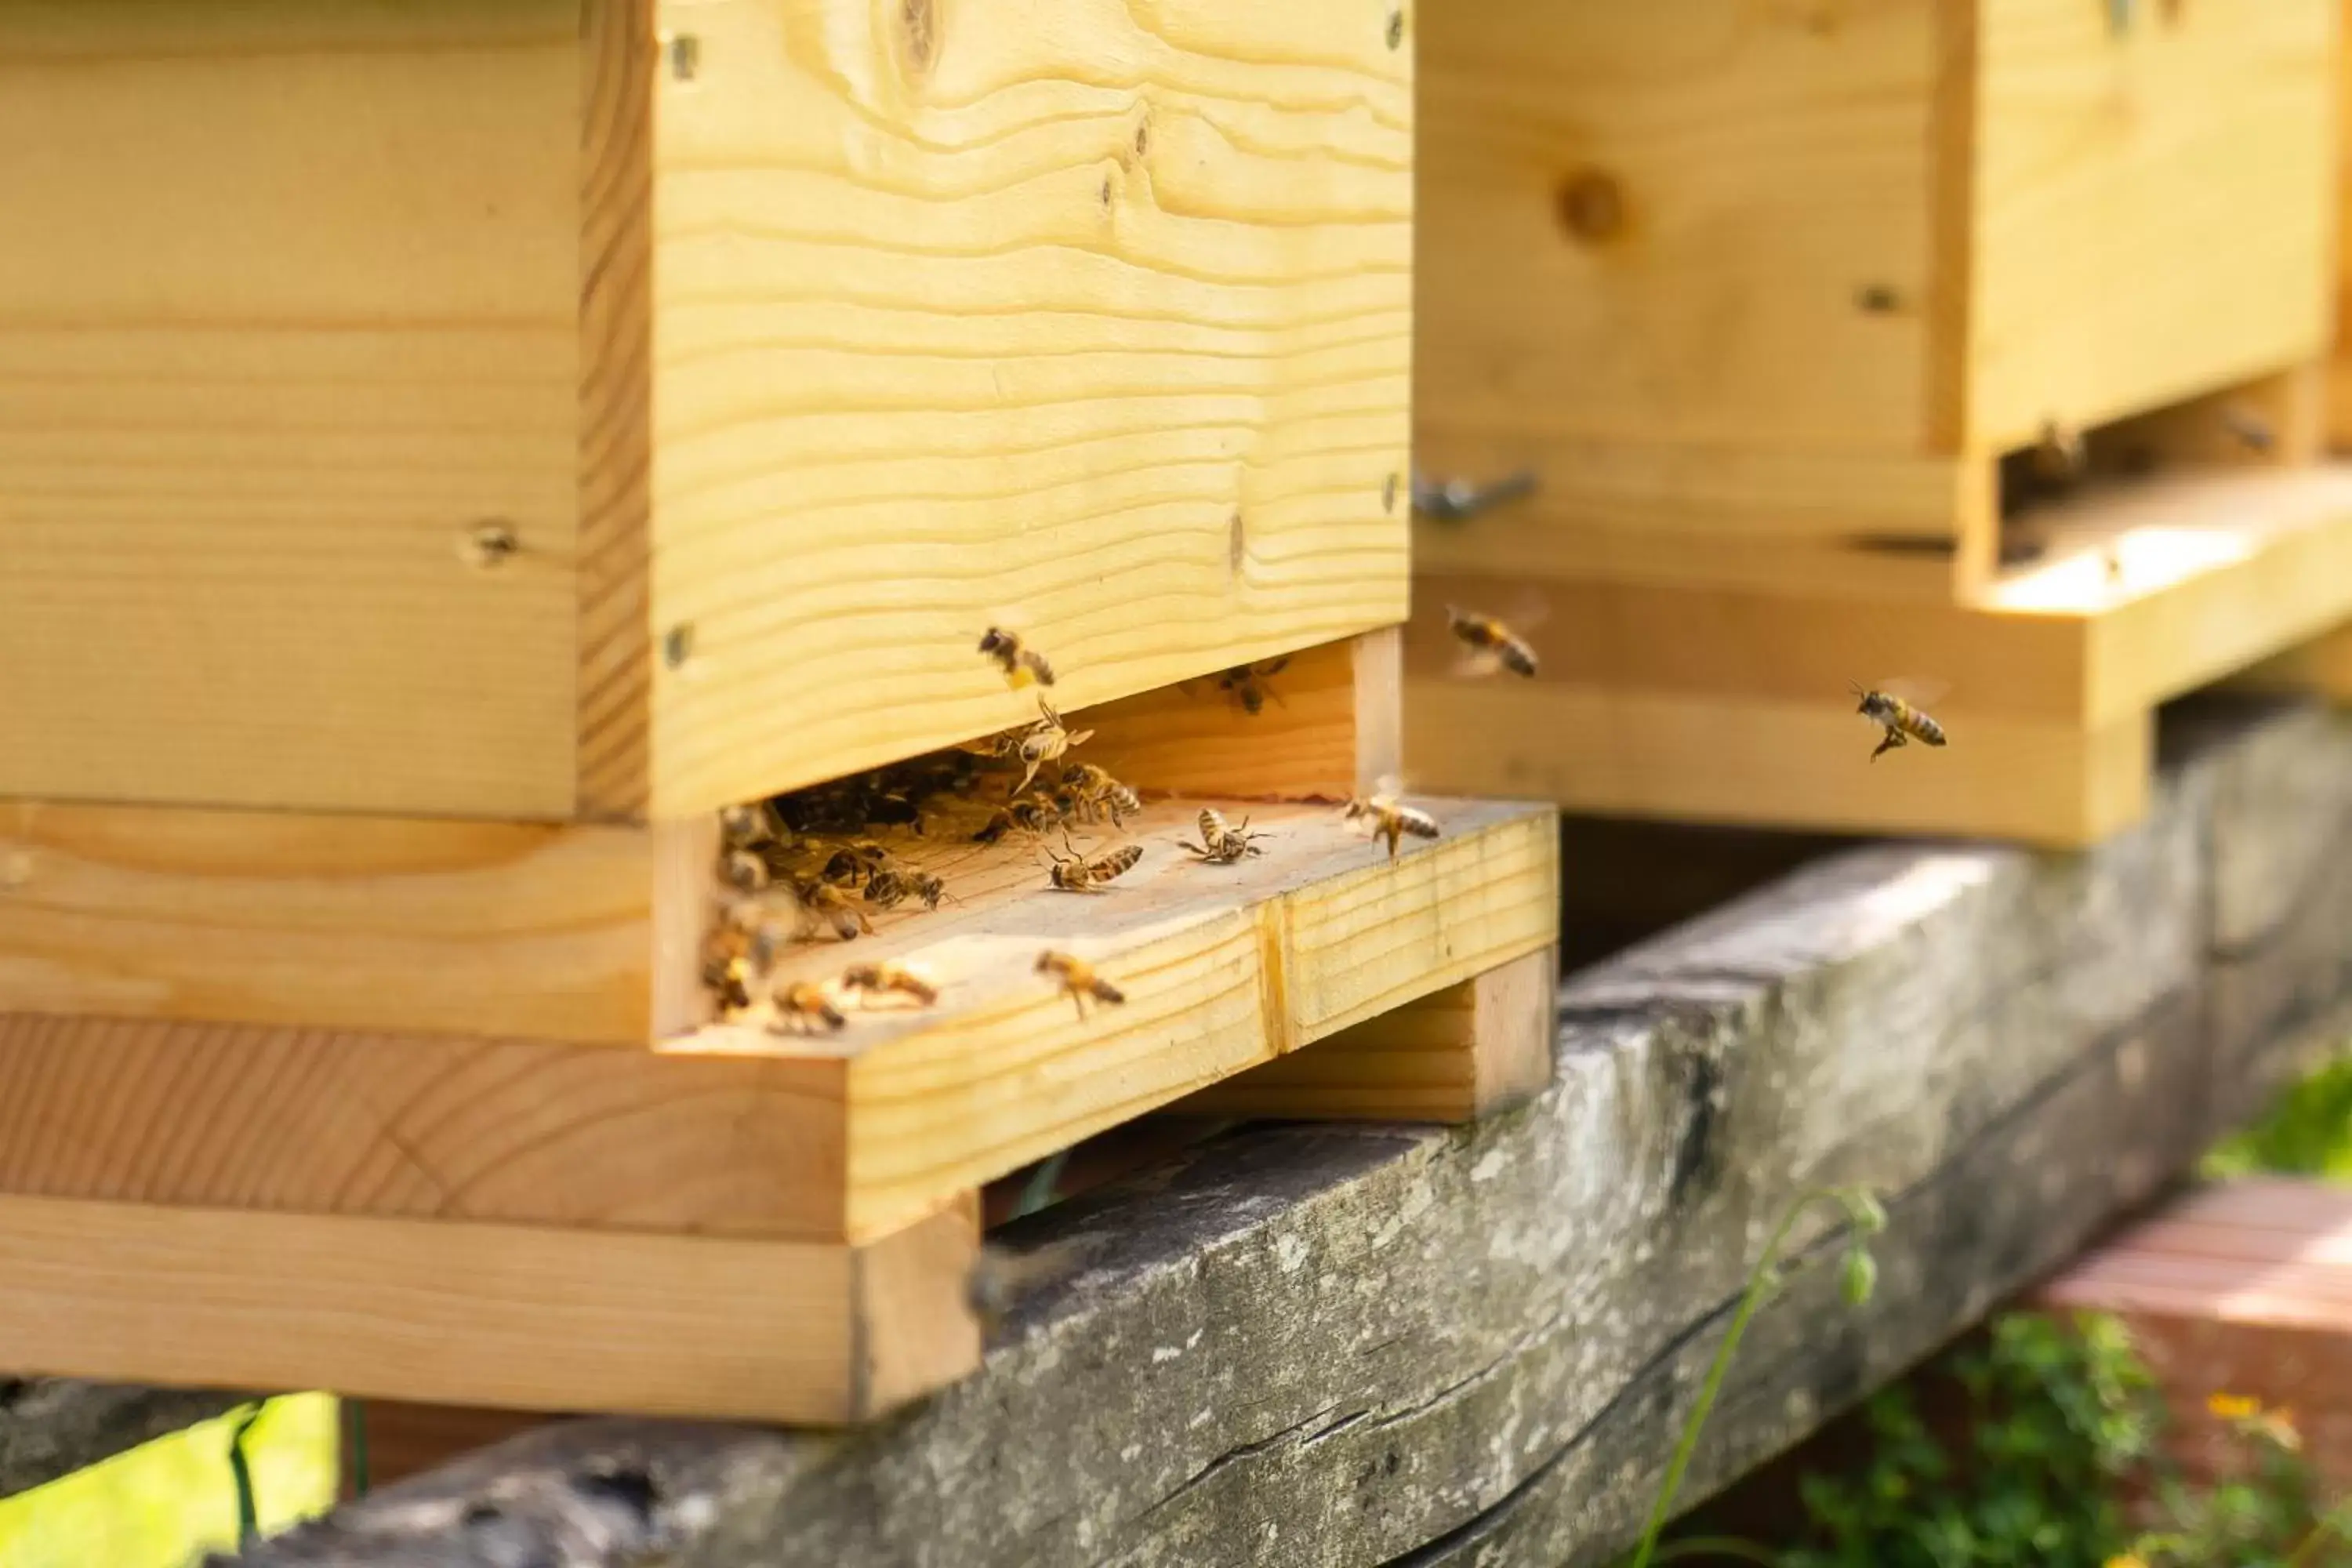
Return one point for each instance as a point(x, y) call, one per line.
point(163, 1504)
point(2307, 1131)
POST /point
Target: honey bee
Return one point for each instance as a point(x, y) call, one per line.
point(803, 1007)
point(747, 826)
point(1077, 979)
point(1021, 664)
point(728, 975)
point(1044, 742)
point(888, 978)
point(1383, 816)
point(1221, 844)
point(1074, 873)
point(743, 870)
point(1032, 813)
point(1088, 794)
point(842, 908)
point(1490, 645)
point(887, 887)
point(1903, 722)
point(1245, 684)
point(2061, 455)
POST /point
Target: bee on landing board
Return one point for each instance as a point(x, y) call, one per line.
point(1221, 843)
point(1078, 980)
point(1383, 816)
point(1044, 742)
point(842, 908)
point(1088, 794)
point(1074, 873)
point(1021, 664)
point(804, 1008)
point(1902, 721)
point(890, 978)
point(1032, 813)
point(1489, 645)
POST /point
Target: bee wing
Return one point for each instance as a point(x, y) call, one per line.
point(1388, 786)
point(1530, 610)
point(1918, 692)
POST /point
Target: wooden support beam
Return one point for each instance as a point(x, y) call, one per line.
point(781, 1331)
point(1454, 1056)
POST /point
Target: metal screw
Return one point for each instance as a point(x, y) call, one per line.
point(486, 544)
point(1877, 298)
point(1592, 205)
point(677, 643)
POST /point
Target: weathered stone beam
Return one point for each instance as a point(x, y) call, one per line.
point(1359, 1345)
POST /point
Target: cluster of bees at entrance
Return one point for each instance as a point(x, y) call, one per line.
point(817, 864)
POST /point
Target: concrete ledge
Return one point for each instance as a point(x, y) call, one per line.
point(1339, 1345)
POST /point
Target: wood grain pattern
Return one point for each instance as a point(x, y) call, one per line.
point(1454, 1056)
point(733, 1130)
point(302, 312)
point(1705, 369)
point(2208, 141)
point(1098, 330)
point(491, 1315)
point(2322, 665)
point(616, 196)
point(396, 923)
point(1328, 728)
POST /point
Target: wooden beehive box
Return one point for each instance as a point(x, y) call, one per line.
point(449, 452)
point(1762, 291)
point(551, 410)
point(1777, 304)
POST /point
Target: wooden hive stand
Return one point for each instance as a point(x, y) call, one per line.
point(1780, 306)
point(457, 454)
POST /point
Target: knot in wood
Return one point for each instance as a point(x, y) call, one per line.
point(1592, 205)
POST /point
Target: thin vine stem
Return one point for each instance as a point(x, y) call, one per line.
point(1717, 1546)
point(1760, 1283)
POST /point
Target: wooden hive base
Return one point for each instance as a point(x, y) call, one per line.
point(734, 1222)
point(1735, 705)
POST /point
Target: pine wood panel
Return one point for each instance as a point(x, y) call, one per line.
point(396, 923)
point(2154, 214)
point(736, 1131)
point(1096, 328)
point(292, 306)
point(501, 1316)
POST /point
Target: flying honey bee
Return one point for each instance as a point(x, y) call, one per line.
point(2061, 455)
point(1246, 684)
point(804, 1008)
point(1044, 742)
point(1000, 1278)
point(1383, 816)
point(1088, 794)
point(1221, 844)
point(1074, 873)
point(888, 977)
point(1489, 645)
point(1902, 722)
point(1021, 664)
point(1077, 979)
